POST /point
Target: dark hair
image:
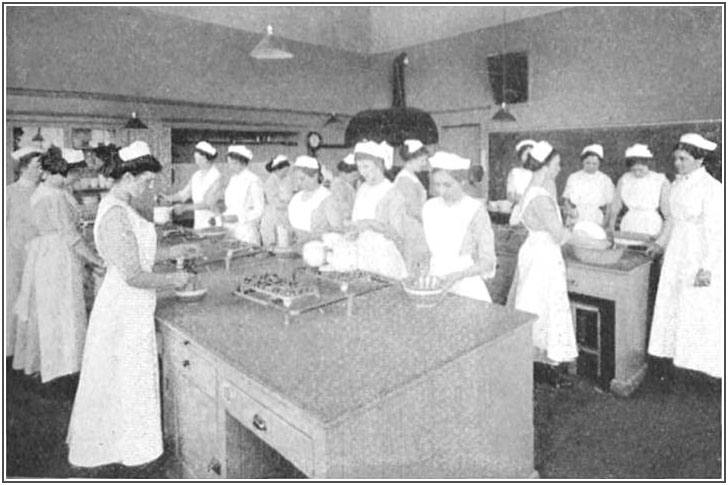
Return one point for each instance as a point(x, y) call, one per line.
point(104, 152)
point(25, 160)
point(270, 168)
point(52, 161)
point(407, 156)
point(590, 153)
point(115, 167)
point(632, 161)
point(462, 176)
point(476, 173)
point(210, 158)
point(344, 167)
point(519, 152)
point(695, 152)
point(534, 165)
point(310, 172)
point(238, 158)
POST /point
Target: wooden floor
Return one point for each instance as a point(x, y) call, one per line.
point(581, 433)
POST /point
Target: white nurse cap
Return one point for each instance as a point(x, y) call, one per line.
point(541, 151)
point(375, 151)
point(349, 159)
point(638, 150)
point(205, 147)
point(241, 150)
point(524, 143)
point(698, 141)
point(24, 152)
point(72, 157)
point(594, 149)
point(136, 150)
point(448, 161)
point(304, 161)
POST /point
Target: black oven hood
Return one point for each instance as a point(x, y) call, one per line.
point(396, 124)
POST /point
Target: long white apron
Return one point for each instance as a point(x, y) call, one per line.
point(240, 202)
point(301, 208)
point(589, 192)
point(201, 183)
point(116, 416)
point(688, 323)
point(641, 195)
point(445, 230)
point(50, 313)
point(375, 252)
point(540, 288)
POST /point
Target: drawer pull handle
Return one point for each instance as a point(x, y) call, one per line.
point(185, 363)
point(186, 342)
point(571, 282)
point(214, 466)
point(259, 423)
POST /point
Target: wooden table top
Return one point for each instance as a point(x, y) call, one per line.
point(324, 362)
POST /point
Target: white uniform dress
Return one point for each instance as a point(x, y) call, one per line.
point(50, 312)
point(116, 415)
point(641, 195)
point(300, 210)
point(196, 189)
point(376, 252)
point(446, 227)
point(588, 192)
point(244, 198)
point(688, 323)
point(539, 287)
point(518, 180)
point(413, 191)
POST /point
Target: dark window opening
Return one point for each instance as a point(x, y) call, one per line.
point(515, 67)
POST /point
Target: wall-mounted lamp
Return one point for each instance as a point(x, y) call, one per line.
point(270, 48)
point(135, 123)
point(38, 137)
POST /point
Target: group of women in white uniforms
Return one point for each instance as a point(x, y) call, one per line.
point(685, 220)
point(116, 413)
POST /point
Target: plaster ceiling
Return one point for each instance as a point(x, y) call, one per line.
point(359, 28)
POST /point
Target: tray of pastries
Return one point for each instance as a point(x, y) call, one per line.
point(271, 288)
point(345, 279)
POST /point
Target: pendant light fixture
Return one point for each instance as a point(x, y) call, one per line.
point(38, 137)
point(503, 114)
point(333, 120)
point(135, 123)
point(270, 48)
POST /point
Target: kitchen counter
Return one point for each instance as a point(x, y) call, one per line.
point(449, 389)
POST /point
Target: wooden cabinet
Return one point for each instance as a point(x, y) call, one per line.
point(189, 404)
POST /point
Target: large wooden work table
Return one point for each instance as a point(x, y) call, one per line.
point(390, 392)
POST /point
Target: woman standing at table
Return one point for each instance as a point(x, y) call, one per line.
point(688, 322)
point(116, 416)
point(519, 177)
point(244, 197)
point(539, 284)
point(20, 229)
point(386, 240)
point(414, 154)
point(311, 210)
point(50, 310)
point(643, 192)
point(204, 188)
point(344, 185)
point(589, 192)
point(458, 230)
point(278, 189)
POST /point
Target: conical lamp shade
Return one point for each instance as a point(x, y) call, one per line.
point(135, 123)
point(503, 114)
point(270, 47)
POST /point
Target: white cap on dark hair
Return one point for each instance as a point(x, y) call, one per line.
point(541, 151)
point(72, 157)
point(698, 141)
point(413, 145)
point(594, 149)
point(349, 159)
point(135, 150)
point(24, 151)
point(638, 150)
point(448, 161)
point(278, 160)
point(241, 150)
point(205, 147)
point(382, 151)
point(305, 161)
point(525, 143)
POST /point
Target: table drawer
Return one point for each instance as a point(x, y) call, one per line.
point(287, 440)
point(592, 283)
point(187, 360)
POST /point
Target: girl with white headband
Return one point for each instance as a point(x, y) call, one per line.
point(589, 190)
point(278, 189)
point(344, 185)
point(244, 197)
point(311, 211)
point(204, 188)
point(643, 192)
point(689, 318)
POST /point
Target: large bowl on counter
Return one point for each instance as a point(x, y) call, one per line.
point(425, 291)
point(599, 256)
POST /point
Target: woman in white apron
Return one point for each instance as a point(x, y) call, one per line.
point(539, 284)
point(244, 197)
point(311, 211)
point(204, 188)
point(458, 230)
point(519, 177)
point(643, 192)
point(278, 189)
point(414, 154)
point(20, 230)
point(50, 312)
point(344, 185)
point(379, 216)
point(688, 323)
point(590, 190)
point(116, 416)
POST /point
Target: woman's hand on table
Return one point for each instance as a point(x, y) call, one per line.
point(702, 278)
